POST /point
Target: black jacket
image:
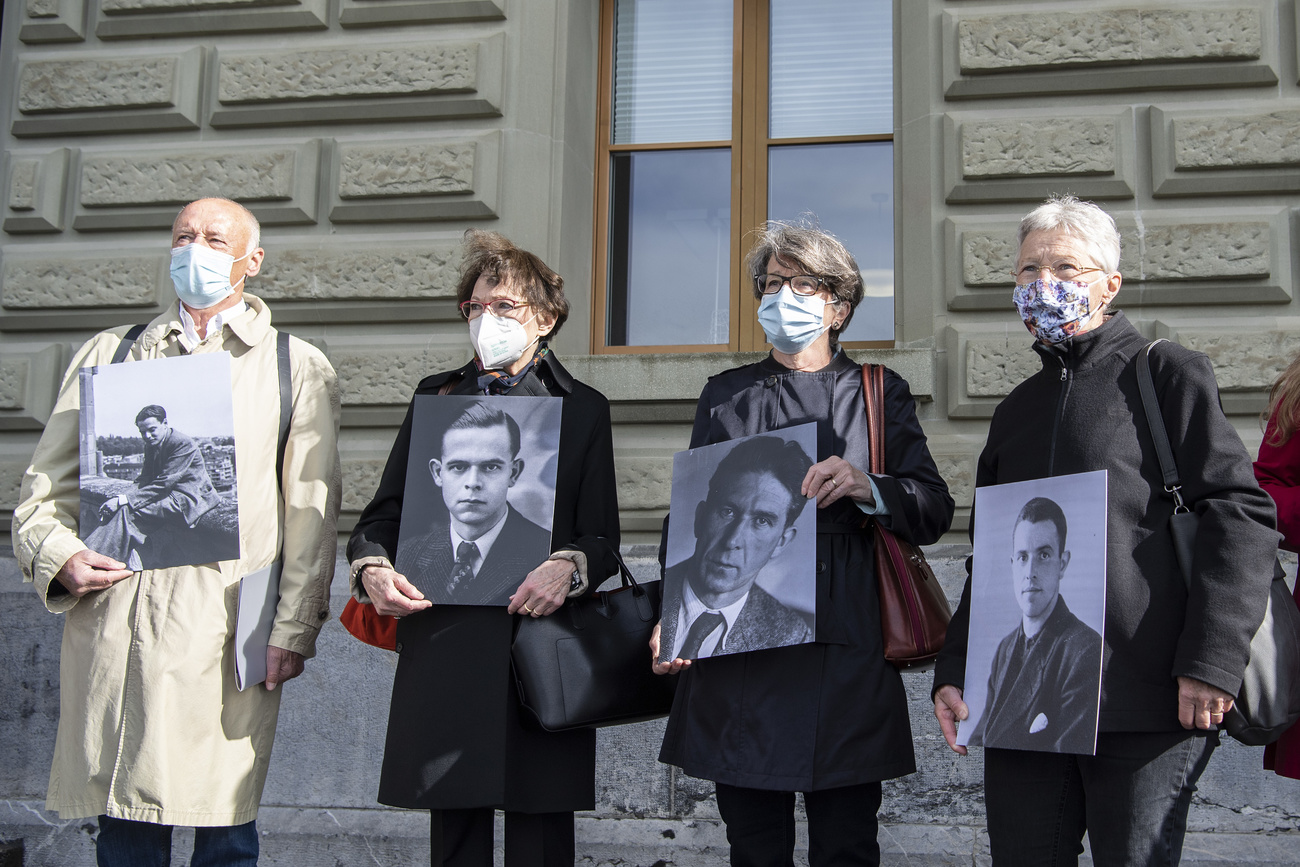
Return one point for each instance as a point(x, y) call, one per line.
point(832, 713)
point(1050, 703)
point(1082, 412)
point(456, 737)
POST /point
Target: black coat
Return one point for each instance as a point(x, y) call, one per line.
point(1082, 412)
point(833, 713)
point(456, 737)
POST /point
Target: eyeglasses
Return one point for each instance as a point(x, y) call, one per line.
point(1062, 271)
point(500, 308)
point(800, 284)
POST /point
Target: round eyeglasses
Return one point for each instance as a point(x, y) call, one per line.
point(500, 308)
point(1061, 271)
point(800, 284)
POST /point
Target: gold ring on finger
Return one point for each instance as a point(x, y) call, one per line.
point(529, 610)
point(834, 482)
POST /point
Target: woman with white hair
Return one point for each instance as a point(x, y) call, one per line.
point(1173, 654)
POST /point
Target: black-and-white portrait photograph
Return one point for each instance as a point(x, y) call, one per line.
point(158, 485)
point(480, 495)
point(1038, 611)
point(742, 546)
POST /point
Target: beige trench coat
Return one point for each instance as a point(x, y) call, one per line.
point(151, 726)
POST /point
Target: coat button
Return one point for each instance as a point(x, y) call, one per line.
point(771, 381)
point(398, 648)
point(821, 566)
point(324, 614)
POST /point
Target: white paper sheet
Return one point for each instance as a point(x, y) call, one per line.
point(259, 594)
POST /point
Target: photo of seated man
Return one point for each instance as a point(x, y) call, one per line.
point(171, 494)
point(746, 519)
point(1044, 686)
point(482, 547)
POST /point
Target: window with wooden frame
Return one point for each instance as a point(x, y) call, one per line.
point(716, 115)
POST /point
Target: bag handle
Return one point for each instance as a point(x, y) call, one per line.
point(1156, 422)
point(873, 395)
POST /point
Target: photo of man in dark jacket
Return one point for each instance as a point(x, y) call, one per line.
point(482, 547)
point(1043, 687)
point(746, 519)
point(171, 493)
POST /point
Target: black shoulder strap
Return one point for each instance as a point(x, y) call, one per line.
point(1156, 422)
point(128, 340)
point(286, 401)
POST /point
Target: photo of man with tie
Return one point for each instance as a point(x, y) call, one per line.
point(746, 520)
point(479, 551)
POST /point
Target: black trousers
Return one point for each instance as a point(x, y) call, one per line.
point(463, 838)
point(1131, 798)
point(842, 826)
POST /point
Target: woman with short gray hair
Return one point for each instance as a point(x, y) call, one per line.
point(826, 718)
point(1174, 654)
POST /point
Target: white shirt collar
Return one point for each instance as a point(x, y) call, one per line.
point(189, 336)
point(692, 608)
point(483, 543)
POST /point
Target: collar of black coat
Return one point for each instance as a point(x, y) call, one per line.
point(1092, 347)
point(548, 370)
point(839, 363)
point(251, 330)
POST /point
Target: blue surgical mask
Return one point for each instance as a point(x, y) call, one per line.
point(792, 322)
point(201, 275)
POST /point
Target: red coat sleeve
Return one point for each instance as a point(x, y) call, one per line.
point(1278, 472)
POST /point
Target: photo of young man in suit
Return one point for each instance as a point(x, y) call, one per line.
point(482, 547)
point(1044, 685)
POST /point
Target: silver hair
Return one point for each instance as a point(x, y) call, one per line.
point(806, 248)
point(1082, 220)
point(254, 227)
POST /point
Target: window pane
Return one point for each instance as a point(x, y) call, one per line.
point(669, 261)
point(672, 71)
point(832, 68)
point(849, 188)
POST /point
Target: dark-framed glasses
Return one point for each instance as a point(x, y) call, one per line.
point(500, 308)
point(1061, 271)
point(800, 284)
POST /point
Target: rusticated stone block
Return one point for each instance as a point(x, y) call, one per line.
point(409, 170)
point(71, 85)
point(42, 8)
point(360, 481)
point(22, 184)
point(994, 367)
point(645, 481)
point(53, 282)
point(11, 483)
point(958, 470)
point(1033, 148)
point(278, 76)
point(259, 175)
point(389, 378)
point(987, 260)
point(1237, 141)
point(1178, 33)
point(1244, 361)
point(1197, 251)
point(13, 383)
point(996, 43)
point(373, 273)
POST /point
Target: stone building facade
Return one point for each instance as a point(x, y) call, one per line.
point(367, 135)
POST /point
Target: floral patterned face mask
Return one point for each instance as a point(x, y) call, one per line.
point(1053, 309)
